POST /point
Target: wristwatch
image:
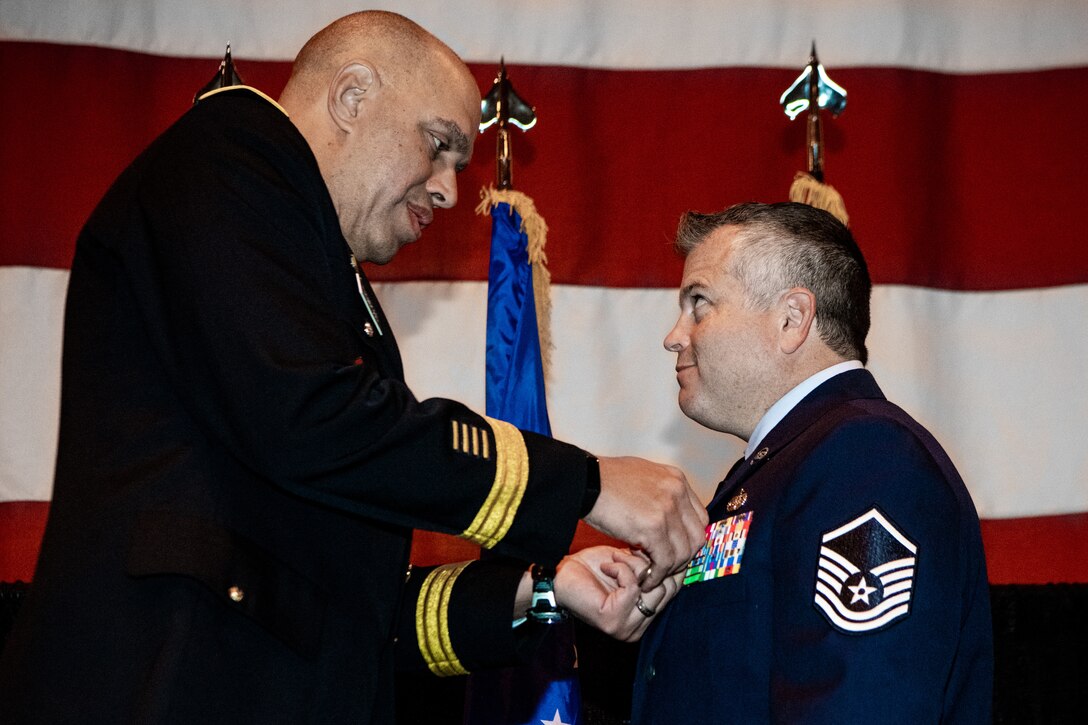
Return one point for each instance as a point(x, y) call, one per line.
point(593, 485)
point(542, 607)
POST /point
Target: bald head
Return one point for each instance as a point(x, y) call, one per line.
point(397, 46)
point(391, 114)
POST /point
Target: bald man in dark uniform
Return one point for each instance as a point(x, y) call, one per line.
point(240, 462)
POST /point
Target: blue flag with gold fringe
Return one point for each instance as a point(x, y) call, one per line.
point(515, 364)
point(518, 342)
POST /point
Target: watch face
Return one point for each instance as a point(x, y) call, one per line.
point(543, 607)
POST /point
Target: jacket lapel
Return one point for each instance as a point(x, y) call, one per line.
point(851, 385)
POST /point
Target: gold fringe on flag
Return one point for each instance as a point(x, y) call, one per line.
point(534, 228)
point(807, 190)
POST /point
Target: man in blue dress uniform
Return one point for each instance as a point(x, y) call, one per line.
point(843, 576)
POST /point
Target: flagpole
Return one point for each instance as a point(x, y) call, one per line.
point(502, 107)
point(225, 77)
point(518, 312)
point(812, 91)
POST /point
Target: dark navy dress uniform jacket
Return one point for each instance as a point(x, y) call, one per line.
point(241, 463)
point(756, 646)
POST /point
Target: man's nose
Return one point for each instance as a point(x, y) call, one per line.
point(442, 186)
point(677, 339)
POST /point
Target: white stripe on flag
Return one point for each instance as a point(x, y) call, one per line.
point(31, 325)
point(958, 37)
point(957, 361)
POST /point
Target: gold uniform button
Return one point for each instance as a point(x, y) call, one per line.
point(368, 329)
point(236, 594)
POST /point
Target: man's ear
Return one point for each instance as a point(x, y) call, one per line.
point(352, 85)
point(798, 307)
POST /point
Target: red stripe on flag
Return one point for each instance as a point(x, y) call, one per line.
point(952, 181)
point(1036, 550)
point(22, 524)
point(61, 149)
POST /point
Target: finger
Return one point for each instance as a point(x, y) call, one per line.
point(649, 604)
point(695, 525)
point(621, 572)
point(680, 553)
point(657, 599)
point(644, 608)
point(646, 573)
point(616, 572)
point(681, 528)
point(641, 621)
point(636, 561)
point(670, 556)
point(670, 588)
point(697, 505)
point(664, 565)
point(664, 591)
point(692, 530)
point(640, 563)
point(608, 574)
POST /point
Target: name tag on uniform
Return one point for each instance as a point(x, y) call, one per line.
point(722, 551)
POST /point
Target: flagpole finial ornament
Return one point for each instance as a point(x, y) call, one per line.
point(225, 76)
point(503, 107)
point(812, 91)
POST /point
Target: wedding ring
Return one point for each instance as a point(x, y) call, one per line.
point(642, 607)
point(646, 575)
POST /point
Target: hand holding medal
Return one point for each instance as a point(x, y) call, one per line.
point(602, 586)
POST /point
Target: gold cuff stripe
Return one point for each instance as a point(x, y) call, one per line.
point(496, 516)
point(433, 621)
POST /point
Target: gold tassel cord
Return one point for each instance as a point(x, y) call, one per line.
point(808, 190)
point(532, 224)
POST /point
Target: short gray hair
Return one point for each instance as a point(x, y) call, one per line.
point(784, 245)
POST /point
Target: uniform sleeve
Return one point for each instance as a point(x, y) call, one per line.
point(879, 593)
point(457, 618)
point(254, 311)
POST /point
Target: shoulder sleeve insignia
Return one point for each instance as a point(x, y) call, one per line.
point(865, 574)
point(470, 439)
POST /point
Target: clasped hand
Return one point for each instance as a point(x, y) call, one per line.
point(601, 586)
point(651, 507)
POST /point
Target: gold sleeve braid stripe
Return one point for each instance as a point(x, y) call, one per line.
point(496, 516)
point(433, 621)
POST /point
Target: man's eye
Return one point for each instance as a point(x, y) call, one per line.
point(439, 144)
point(699, 307)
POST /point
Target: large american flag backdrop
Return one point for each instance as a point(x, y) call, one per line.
point(961, 159)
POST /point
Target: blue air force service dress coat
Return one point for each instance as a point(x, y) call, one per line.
point(241, 462)
point(843, 580)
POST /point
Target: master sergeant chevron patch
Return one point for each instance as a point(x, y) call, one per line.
point(865, 574)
